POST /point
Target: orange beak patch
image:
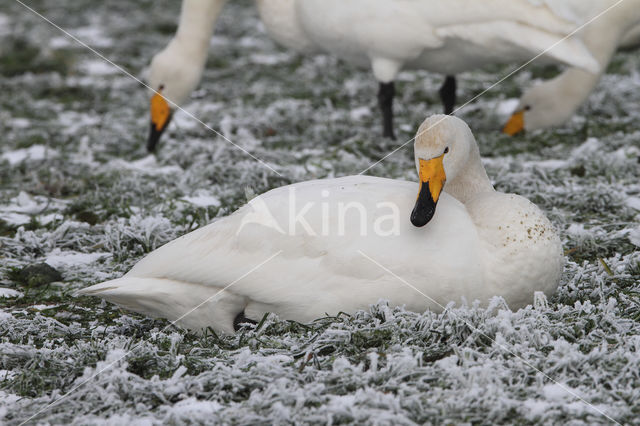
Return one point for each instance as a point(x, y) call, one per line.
point(160, 118)
point(432, 173)
point(160, 111)
point(515, 124)
point(432, 180)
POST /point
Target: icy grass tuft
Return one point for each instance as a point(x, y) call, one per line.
point(79, 191)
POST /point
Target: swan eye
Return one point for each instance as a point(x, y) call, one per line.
point(527, 107)
point(446, 150)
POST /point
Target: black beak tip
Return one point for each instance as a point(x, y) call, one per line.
point(154, 137)
point(420, 217)
point(425, 207)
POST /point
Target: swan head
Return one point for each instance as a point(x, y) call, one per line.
point(442, 147)
point(173, 75)
point(539, 109)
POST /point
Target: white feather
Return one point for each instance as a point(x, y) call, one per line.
point(447, 36)
point(554, 101)
point(354, 231)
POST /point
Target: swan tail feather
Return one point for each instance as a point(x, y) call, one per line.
point(189, 305)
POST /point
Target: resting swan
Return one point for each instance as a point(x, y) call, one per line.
point(554, 102)
point(446, 36)
point(326, 246)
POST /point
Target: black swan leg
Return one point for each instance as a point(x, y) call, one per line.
point(448, 94)
point(386, 93)
point(240, 321)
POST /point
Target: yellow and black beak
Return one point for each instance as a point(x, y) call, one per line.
point(515, 124)
point(432, 179)
point(160, 118)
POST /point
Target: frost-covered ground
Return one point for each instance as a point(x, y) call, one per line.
point(79, 192)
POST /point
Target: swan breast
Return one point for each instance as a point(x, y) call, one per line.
point(522, 250)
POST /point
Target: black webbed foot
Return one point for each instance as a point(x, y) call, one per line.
point(241, 322)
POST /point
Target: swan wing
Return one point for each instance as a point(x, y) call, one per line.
point(576, 11)
point(506, 35)
point(265, 265)
point(402, 30)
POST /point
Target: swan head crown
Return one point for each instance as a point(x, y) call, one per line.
point(174, 74)
point(447, 137)
point(446, 152)
point(178, 70)
point(540, 108)
point(442, 146)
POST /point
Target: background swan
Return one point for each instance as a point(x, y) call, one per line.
point(554, 102)
point(446, 36)
point(467, 242)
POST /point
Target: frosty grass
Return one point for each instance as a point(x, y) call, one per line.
point(79, 192)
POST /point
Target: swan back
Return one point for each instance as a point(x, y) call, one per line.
point(281, 21)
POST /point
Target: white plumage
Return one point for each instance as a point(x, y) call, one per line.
point(553, 102)
point(446, 36)
point(479, 244)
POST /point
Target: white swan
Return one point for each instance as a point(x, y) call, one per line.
point(447, 36)
point(631, 39)
point(325, 246)
point(554, 102)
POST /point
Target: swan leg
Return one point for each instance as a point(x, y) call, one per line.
point(241, 321)
point(386, 93)
point(448, 94)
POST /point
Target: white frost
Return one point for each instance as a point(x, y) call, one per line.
point(33, 153)
point(98, 68)
point(634, 237)
point(633, 202)
point(9, 292)
point(147, 165)
point(203, 200)
point(507, 107)
point(59, 259)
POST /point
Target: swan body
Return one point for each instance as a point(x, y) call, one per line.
point(553, 102)
point(447, 36)
point(631, 39)
point(326, 246)
point(442, 36)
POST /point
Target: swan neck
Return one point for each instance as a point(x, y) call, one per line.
point(471, 181)
point(197, 22)
point(575, 85)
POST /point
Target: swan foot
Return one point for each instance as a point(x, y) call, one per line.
point(241, 322)
point(386, 92)
point(448, 94)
